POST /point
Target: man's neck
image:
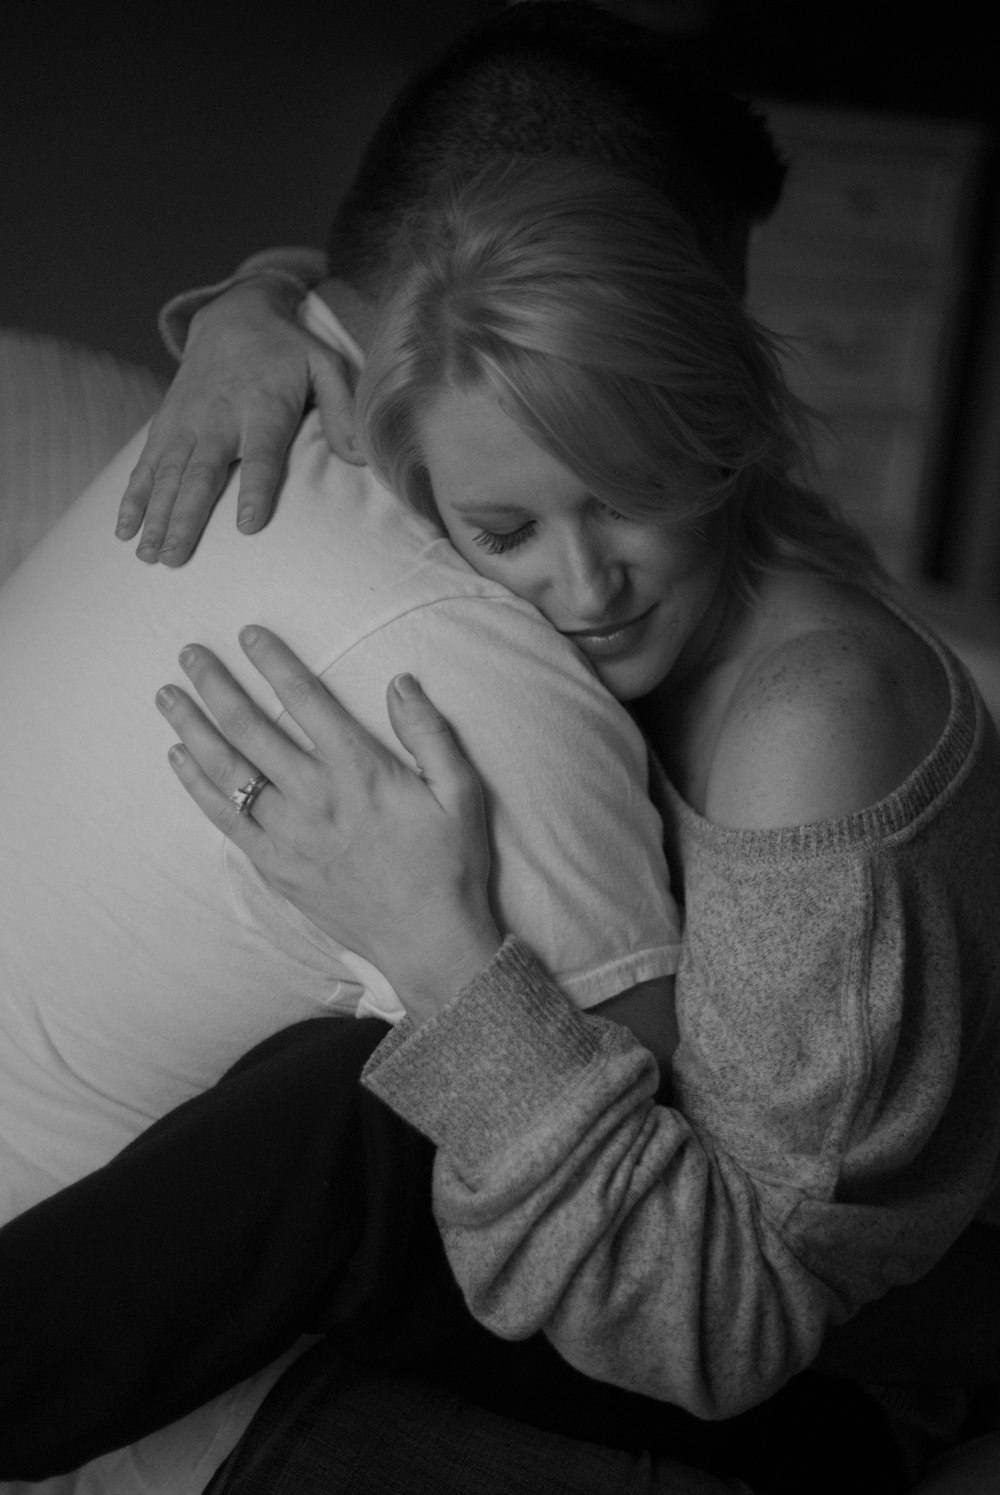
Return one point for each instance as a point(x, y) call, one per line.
point(354, 310)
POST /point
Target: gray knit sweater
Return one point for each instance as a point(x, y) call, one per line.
point(835, 1115)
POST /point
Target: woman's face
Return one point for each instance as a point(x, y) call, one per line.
point(641, 598)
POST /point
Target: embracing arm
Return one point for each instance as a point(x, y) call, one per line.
point(296, 270)
point(248, 371)
point(649, 1252)
point(571, 1202)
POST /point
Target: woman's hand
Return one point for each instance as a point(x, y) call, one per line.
point(390, 862)
point(249, 369)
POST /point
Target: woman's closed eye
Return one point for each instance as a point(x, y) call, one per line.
point(497, 542)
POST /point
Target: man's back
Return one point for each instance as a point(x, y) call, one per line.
point(140, 954)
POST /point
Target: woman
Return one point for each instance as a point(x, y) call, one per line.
point(596, 423)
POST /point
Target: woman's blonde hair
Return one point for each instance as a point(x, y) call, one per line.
point(581, 300)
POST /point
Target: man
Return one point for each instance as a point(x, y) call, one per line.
point(140, 956)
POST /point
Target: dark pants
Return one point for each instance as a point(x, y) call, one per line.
point(335, 1427)
point(250, 1215)
point(287, 1201)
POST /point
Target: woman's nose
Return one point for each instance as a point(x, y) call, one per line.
point(590, 582)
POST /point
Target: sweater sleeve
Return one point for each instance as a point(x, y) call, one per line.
point(301, 268)
point(698, 1252)
point(571, 1202)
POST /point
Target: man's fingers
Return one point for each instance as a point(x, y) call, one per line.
point(262, 467)
point(203, 481)
point(135, 499)
point(169, 475)
point(153, 483)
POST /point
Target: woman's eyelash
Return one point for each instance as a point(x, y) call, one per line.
point(498, 544)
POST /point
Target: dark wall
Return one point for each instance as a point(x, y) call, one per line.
point(897, 55)
point(133, 165)
point(149, 149)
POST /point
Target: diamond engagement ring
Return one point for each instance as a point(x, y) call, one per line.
point(244, 799)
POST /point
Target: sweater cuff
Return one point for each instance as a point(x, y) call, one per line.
point(478, 1073)
point(299, 268)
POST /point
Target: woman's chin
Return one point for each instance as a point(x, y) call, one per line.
point(628, 679)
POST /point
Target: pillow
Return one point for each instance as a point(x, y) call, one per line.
point(65, 410)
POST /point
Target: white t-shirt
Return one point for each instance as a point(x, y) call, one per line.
point(140, 953)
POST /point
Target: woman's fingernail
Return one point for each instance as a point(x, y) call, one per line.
point(246, 519)
point(249, 636)
point(176, 755)
point(187, 657)
point(406, 687)
point(166, 697)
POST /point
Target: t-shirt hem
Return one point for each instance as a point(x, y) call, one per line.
point(601, 983)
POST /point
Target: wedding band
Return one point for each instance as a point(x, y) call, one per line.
point(244, 799)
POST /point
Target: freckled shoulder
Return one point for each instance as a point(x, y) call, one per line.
point(828, 718)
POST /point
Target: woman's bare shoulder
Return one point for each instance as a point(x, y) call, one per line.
point(836, 702)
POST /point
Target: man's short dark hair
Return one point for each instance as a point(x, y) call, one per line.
point(560, 77)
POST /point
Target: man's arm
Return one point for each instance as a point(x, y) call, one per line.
point(647, 1010)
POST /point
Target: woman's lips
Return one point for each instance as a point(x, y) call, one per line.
point(615, 638)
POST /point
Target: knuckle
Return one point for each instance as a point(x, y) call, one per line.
point(262, 460)
point(204, 471)
point(140, 476)
point(169, 472)
point(239, 720)
point(302, 689)
point(156, 442)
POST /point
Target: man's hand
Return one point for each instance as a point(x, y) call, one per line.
point(248, 373)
